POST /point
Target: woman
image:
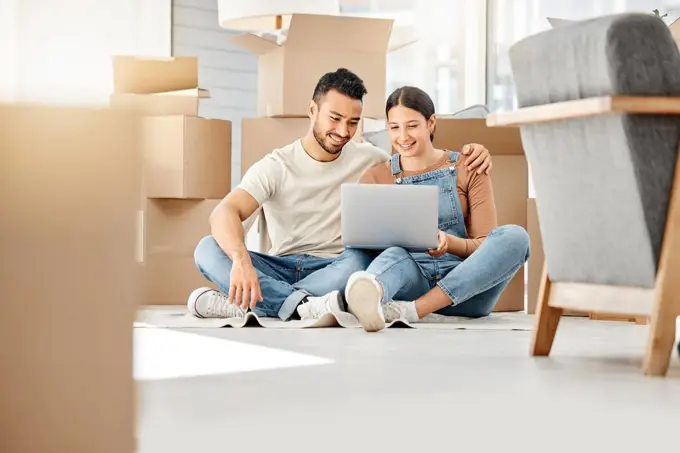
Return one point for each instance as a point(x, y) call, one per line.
point(475, 259)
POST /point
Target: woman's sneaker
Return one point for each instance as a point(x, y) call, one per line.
point(364, 300)
point(210, 303)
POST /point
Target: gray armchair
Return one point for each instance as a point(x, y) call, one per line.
point(600, 125)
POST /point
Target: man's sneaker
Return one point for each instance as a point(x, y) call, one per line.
point(316, 307)
point(209, 303)
point(364, 296)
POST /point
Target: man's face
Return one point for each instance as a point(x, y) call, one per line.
point(335, 120)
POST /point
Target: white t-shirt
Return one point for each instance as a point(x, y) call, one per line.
point(300, 196)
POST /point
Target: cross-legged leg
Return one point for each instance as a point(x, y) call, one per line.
point(323, 276)
point(276, 274)
point(393, 274)
point(476, 284)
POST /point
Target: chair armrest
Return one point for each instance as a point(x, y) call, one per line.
point(586, 107)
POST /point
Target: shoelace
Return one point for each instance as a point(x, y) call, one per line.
point(393, 311)
point(218, 305)
point(318, 310)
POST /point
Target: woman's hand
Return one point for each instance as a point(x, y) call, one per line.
point(442, 247)
point(478, 158)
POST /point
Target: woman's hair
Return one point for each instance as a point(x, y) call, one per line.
point(413, 98)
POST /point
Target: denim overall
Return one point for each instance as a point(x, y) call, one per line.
point(473, 284)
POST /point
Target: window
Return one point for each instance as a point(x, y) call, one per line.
point(447, 60)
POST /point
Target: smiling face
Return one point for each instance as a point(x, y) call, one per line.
point(335, 120)
point(409, 130)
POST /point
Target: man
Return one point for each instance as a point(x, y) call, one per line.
point(298, 188)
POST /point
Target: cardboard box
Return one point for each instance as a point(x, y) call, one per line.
point(510, 180)
point(146, 75)
point(288, 73)
point(185, 102)
point(260, 136)
point(172, 229)
point(70, 187)
point(157, 86)
point(186, 157)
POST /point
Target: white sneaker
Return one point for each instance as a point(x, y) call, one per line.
point(316, 307)
point(364, 296)
point(399, 310)
point(209, 303)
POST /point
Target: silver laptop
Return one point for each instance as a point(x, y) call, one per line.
point(379, 216)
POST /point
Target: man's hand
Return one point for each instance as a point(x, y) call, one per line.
point(442, 247)
point(478, 158)
point(244, 288)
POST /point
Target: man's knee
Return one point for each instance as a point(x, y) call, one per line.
point(207, 251)
point(398, 253)
point(353, 260)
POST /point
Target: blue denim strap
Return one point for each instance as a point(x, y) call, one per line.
point(396, 168)
point(453, 156)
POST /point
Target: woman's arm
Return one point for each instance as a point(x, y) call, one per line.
point(378, 174)
point(481, 216)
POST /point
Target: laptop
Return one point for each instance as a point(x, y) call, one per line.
point(379, 216)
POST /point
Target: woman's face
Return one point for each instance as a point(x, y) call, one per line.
point(409, 130)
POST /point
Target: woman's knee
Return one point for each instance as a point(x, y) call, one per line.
point(515, 240)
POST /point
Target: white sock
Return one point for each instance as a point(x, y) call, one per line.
point(411, 312)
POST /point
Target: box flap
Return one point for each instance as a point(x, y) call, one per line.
point(675, 29)
point(194, 92)
point(453, 134)
point(309, 31)
point(254, 44)
point(401, 45)
point(146, 75)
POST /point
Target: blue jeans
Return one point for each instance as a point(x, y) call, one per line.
point(284, 280)
point(473, 285)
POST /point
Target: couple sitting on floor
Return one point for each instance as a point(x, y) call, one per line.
point(309, 270)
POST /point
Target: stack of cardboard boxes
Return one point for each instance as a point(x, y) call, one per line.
point(186, 169)
point(289, 72)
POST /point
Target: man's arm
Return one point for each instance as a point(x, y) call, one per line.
point(226, 223)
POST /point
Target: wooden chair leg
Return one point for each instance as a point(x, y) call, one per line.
point(660, 346)
point(666, 308)
point(547, 319)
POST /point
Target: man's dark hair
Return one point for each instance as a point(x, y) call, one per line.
point(343, 81)
point(413, 98)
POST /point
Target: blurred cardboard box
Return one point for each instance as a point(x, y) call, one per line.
point(184, 102)
point(157, 86)
point(186, 157)
point(289, 72)
point(70, 283)
point(171, 231)
point(148, 75)
point(510, 180)
point(261, 136)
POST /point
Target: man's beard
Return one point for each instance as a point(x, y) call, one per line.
point(321, 140)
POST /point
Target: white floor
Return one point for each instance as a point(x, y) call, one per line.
point(332, 390)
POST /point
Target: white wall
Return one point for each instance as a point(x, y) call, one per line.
point(60, 51)
point(228, 72)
